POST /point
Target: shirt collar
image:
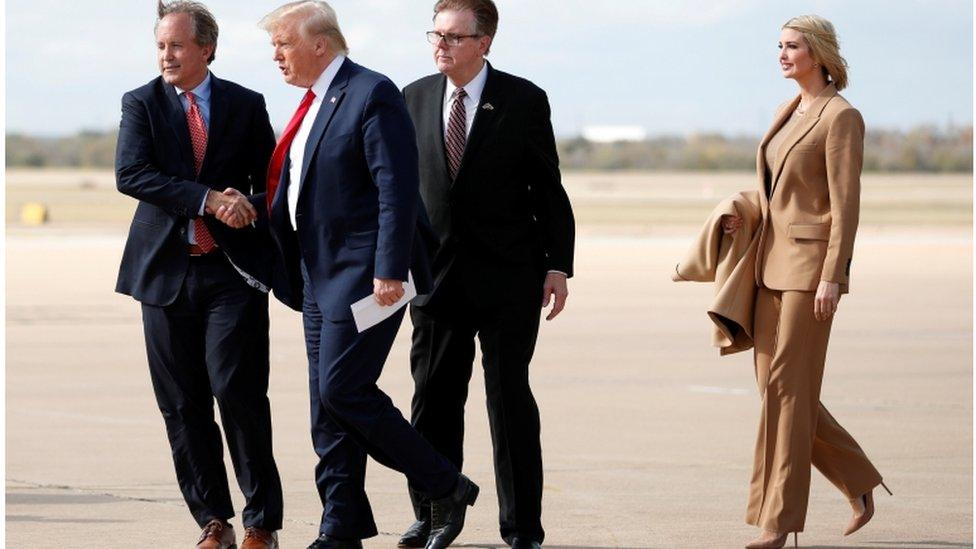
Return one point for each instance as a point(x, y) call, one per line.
point(321, 86)
point(201, 92)
point(474, 88)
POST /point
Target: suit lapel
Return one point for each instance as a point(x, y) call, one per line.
point(484, 119)
point(781, 117)
point(330, 102)
point(434, 124)
point(218, 118)
point(801, 128)
point(177, 123)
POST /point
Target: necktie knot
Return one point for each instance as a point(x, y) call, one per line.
point(460, 94)
point(190, 97)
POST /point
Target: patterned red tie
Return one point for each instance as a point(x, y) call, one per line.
point(281, 149)
point(456, 133)
point(198, 136)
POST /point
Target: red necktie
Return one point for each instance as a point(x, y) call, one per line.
point(281, 149)
point(456, 133)
point(198, 136)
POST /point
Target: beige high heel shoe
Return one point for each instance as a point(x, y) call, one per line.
point(777, 542)
point(866, 513)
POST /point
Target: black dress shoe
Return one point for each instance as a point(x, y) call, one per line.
point(416, 535)
point(525, 543)
point(326, 541)
point(447, 513)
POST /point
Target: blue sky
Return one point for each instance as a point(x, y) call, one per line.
point(668, 66)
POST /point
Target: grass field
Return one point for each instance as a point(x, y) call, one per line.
point(640, 202)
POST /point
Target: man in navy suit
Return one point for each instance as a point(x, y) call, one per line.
point(346, 221)
point(192, 145)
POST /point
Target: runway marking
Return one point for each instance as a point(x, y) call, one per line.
point(717, 390)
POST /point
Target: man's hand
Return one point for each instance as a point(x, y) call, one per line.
point(387, 291)
point(231, 207)
point(825, 302)
point(555, 285)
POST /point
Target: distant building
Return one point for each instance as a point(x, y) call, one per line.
point(613, 134)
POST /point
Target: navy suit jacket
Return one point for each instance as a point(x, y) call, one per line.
point(358, 213)
point(154, 163)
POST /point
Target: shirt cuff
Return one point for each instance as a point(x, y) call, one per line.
point(203, 205)
point(558, 272)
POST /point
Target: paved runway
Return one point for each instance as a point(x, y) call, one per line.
point(647, 433)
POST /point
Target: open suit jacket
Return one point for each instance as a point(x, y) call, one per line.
point(811, 213)
point(506, 210)
point(358, 211)
point(154, 163)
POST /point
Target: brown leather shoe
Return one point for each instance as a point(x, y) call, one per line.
point(256, 538)
point(217, 534)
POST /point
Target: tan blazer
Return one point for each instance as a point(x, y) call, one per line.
point(811, 217)
point(730, 262)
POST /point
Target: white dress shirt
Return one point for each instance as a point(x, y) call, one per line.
point(201, 95)
point(474, 88)
point(296, 153)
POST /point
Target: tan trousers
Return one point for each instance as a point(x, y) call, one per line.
point(795, 429)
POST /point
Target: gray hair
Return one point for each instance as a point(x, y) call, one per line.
point(204, 24)
point(318, 19)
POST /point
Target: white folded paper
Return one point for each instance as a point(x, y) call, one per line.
point(368, 313)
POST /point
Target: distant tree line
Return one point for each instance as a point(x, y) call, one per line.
point(925, 148)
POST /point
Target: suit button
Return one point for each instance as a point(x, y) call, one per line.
point(182, 230)
point(297, 215)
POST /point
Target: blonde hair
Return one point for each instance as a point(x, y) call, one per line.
point(824, 46)
point(318, 19)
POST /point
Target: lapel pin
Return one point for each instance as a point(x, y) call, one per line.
point(488, 107)
point(333, 100)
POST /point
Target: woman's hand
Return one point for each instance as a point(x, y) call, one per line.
point(825, 302)
point(731, 223)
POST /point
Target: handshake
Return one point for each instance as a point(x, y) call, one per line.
point(230, 207)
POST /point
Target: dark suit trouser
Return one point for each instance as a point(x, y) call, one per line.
point(213, 342)
point(441, 363)
point(352, 417)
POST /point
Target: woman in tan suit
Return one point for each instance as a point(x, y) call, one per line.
point(809, 165)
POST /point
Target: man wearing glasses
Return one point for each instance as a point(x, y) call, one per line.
point(489, 179)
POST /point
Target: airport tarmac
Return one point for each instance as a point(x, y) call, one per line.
point(647, 433)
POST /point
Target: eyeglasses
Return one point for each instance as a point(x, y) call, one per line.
point(435, 38)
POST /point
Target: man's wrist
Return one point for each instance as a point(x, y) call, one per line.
point(203, 204)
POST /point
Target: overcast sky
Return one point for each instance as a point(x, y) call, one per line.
point(668, 66)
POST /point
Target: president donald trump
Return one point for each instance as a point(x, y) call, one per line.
point(344, 212)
